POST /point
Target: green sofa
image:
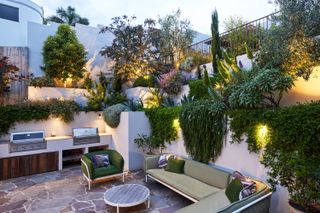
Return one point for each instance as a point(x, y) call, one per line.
point(94, 175)
point(205, 186)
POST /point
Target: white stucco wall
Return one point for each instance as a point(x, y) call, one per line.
point(45, 93)
point(89, 36)
point(15, 33)
point(58, 127)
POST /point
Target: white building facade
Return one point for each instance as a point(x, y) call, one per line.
point(14, 18)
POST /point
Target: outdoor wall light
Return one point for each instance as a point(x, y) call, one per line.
point(100, 116)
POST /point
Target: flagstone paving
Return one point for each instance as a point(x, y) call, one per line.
point(61, 191)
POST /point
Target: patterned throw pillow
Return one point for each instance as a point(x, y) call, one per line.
point(163, 160)
point(100, 161)
point(249, 186)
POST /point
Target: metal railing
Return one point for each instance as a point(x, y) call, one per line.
point(233, 40)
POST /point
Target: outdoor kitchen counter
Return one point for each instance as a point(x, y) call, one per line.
point(56, 144)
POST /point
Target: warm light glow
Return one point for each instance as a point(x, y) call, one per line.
point(263, 131)
point(262, 135)
point(146, 77)
point(100, 116)
point(176, 123)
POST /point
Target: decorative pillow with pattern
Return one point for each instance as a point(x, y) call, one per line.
point(249, 186)
point(163, 160)
point(100, 161)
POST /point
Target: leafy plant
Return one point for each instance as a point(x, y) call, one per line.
point(145, 81)
point(171, 82)
point(146, 143)
point(41, 82)
point(134, 105)
point(112, 114)
point(87, 84)
point(63, 55)
point(131, 49)
point(115, 98)
point(203, 125)
point(68, 16)
point(187, 99)
point(176, 36)
point(163, 124)
point(168, 102)
point(36, 110)
point(291, 152)
point(97, 99)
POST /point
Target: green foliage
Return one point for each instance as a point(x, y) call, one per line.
point(292, 150)
point(97, 99)
point(258, 88)
point(68, 16)
point(198, 90)
point(176, 36)
point(215, 42)
point(130, 49)
point(115, 98)
point(112, 114)
point(146, 143)
point(187, 99)
point(41, 82)
point(248, 51)
point(163, 123)
point(87, 84)
point(168, 102)
point(145, 81)
point(203, 126)
point(206, 80)
point(172, 82)
point(36, 110)
point(134, 105)
point(63, 55)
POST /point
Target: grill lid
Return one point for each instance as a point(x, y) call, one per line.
point(84, 132)
point(24, 137)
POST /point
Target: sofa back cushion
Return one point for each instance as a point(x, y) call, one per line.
point(206, 174)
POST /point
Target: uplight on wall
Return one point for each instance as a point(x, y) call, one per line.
point(176, 123)
point(262, 135)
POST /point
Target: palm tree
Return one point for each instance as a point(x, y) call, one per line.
point(68, 16)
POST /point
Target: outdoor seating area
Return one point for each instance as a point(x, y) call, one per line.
point(199, 107)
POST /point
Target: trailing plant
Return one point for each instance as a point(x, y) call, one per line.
point(164, 124)
point(7, 74)
point(291, 147)
point(36, 110)
point(203, 125)
point(41, 82)
point(63, 55)
point(146, 143)
point(112, 114)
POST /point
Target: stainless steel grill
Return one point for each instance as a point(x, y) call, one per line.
point(85, 136)
point(27, 141)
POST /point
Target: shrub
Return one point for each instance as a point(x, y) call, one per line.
point(112, 114)
point(146, 143)
point(198, 90)
point(41, 82)
point(145, 81)
point(63, 55)
point(172, 82)
point(115, 98)
point(36, 110)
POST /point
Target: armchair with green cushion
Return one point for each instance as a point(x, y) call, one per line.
point(94, 175)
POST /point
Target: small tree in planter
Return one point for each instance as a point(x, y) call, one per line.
point(63, 55)
point(148, 144)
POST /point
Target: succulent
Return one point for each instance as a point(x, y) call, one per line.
point(112, 114)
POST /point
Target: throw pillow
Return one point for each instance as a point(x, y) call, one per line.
point(100, 161)
point(249, 186)
point(163, 160)
point(233, 190)
point(175, 165)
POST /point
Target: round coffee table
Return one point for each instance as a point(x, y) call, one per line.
point(127, 195)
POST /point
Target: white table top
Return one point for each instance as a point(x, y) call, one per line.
point(126, 195)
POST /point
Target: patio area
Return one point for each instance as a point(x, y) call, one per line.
point(61, 191)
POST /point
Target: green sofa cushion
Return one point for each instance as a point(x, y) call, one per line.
point(188, 185)
point(105, 171)
point(233, 190)
point(206, 174)
point(175, 165)
point(210, 204)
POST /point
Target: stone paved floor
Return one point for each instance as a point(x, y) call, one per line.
point(62, 192)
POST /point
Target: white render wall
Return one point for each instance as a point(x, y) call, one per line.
point(45, 93)
point(89, 36)
point(16, 33)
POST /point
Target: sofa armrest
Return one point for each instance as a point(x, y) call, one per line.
point(151, 162)
point(117, 160)
point(87, 167)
